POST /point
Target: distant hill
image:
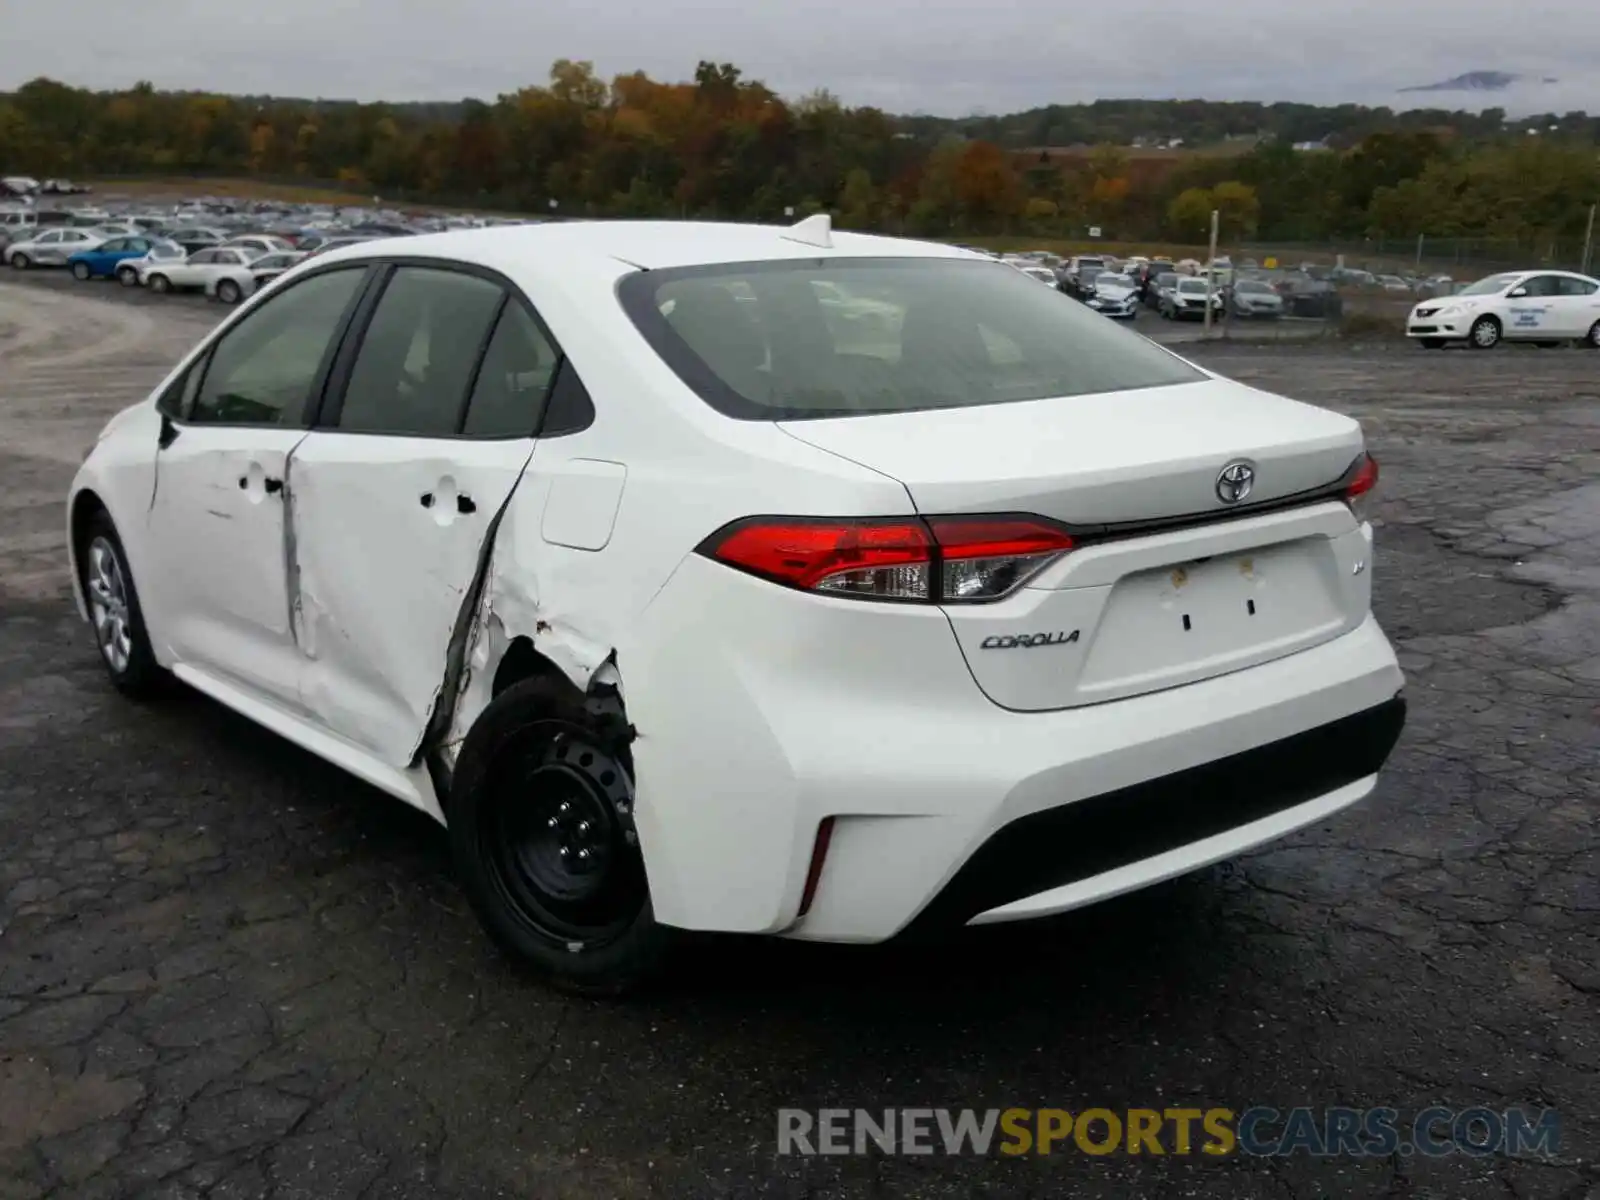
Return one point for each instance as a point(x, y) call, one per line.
point(1476, 81)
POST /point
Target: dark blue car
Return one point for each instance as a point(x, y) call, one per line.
point(101, 262)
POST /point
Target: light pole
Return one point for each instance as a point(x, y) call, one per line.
point(1211, 269)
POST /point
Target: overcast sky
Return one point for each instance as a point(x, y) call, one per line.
point(948, 57)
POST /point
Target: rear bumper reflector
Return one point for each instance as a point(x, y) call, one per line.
point(819, 853)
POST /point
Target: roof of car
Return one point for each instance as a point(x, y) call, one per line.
point(652, 245)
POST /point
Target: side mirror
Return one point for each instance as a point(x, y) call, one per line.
point(1515, 292)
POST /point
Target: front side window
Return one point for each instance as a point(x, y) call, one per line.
point(416, 359)
point(1542, 285)
point(760, 341)
point(115, 244)
point(262, 370)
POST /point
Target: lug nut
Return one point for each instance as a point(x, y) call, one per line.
point(565, 851)
point(583, 855)
point(552, 823)
point(583, 827)
point(566, 807)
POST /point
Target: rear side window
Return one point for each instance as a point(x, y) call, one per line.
point(793, 339)
point(416, 360)
point(514, 380)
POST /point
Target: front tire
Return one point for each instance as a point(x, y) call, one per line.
point(541, 831)
point(81, 272)
point(1485, 334)
point(160, 283)
point(114, 611)
point(21, 262)
point(228, 291)
point(128, 277)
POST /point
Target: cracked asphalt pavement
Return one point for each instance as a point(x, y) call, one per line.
point(228, 970)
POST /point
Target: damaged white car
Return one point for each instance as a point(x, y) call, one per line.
point(688, 602)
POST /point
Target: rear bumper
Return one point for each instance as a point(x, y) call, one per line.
point(1064, 857)
point(762, 711)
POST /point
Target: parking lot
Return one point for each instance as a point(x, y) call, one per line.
point(227, 969)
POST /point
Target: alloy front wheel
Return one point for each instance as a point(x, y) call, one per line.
point(115, 615)
point(108, 605)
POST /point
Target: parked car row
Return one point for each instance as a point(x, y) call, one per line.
point(226, 249)
point(229, 271)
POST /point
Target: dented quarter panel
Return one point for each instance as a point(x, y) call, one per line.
point(689, 471)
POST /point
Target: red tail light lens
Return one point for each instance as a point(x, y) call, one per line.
point(943, 559)
point(884, 560)
point(1363, 478)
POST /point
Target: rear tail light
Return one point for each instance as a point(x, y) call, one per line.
point(1363, 477)
point(939, 560)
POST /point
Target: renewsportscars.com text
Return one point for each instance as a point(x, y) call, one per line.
point(1259, 1131)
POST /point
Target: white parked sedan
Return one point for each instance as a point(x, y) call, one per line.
point(202, 269)
point(594, 541)
point(1535, 306)
point(235, 283)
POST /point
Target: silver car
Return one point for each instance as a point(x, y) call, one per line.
point(1253, 298)
point(50, 248)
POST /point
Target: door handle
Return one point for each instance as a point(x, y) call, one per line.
point(274, 486)
point(464, 504)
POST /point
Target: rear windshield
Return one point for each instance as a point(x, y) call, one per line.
point(793, 339)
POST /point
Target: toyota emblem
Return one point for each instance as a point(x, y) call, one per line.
point(1235, 481)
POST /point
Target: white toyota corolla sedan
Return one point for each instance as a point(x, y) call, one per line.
point(1535, 306)
point(689, 599)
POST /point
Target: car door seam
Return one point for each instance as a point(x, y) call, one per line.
point(291, 552)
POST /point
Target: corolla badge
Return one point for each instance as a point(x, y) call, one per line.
point(1235, 481)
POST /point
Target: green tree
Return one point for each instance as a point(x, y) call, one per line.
point(1189, 214)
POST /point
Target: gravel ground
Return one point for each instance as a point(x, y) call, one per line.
point(228, 970)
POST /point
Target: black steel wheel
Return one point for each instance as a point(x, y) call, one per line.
point(542, 832)
point(560, 842)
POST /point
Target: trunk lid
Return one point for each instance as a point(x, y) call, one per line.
point(1136, 610)
point(1093, 460)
